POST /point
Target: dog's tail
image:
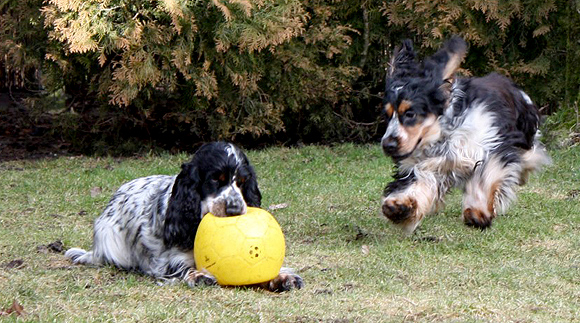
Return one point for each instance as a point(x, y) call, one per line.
point(80, 256)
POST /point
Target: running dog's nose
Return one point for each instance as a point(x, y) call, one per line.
point(389, 145)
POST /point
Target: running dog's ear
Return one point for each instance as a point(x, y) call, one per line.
point(445, 62)
point(403, 63)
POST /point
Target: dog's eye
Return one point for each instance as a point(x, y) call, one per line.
point(220, 178)
point(410, 115)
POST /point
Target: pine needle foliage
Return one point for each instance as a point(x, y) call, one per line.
point(22, 42)
point(225, 67)
point(521, 39)
point(176, 72)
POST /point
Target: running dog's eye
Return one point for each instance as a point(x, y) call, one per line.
point(410, 115)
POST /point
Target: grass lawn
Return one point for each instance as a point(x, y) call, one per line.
point(526, 268)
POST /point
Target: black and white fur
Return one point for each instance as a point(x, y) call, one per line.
point(150, 223)
point(478, 134)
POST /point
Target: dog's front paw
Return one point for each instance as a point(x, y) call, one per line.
point(285, 281)
point(477, 218)
point(399, 209)
point(198, 278)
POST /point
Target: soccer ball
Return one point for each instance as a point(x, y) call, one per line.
point(240, 250)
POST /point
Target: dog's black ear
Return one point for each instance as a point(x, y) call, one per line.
point(250, 189)
point(445, 62)
point(403, 61)
point(184, 210)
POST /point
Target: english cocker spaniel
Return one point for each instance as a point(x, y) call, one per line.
point(479, 134)
point(149, 225)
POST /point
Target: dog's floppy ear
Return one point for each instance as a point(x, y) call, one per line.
point(250, 189)
point(183, 212)
point(403, 61)
point(445, 62)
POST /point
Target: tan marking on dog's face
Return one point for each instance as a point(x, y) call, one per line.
point(425, 131)
point(389, 110)
point(403, 106)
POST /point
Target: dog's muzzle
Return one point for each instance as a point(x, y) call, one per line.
point(390, 145)
point(235, 206)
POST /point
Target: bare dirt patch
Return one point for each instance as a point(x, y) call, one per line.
point(23, 136)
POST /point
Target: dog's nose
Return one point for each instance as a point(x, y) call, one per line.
point(389, 144)
point(234, 207)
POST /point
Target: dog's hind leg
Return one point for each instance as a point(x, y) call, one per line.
point(80, 256)
point(491, 189)
point(109, 247)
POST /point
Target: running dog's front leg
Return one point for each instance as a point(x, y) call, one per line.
point(409, 198)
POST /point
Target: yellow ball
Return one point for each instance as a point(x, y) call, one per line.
point(240, 250)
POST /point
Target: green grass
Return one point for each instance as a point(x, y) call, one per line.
point(356, 267)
